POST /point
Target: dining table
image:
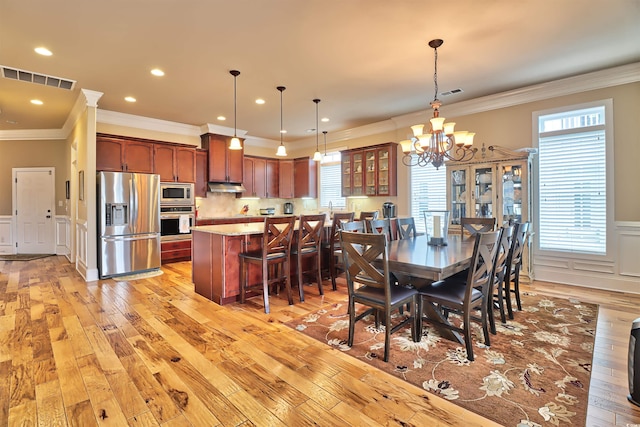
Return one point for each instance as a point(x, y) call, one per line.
point(416, 258)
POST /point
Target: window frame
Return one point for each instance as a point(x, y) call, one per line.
point(419, 220)
point(609, 176)
point(337, 163)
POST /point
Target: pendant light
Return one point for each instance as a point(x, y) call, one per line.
point(235, 141)
point(324, 132)
point(317, 156)
point(282, 151)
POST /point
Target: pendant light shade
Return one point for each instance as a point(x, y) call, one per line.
point(317, 156)
point(282, 151)
point(235, 141)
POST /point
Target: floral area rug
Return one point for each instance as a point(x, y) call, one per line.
point(535, 373)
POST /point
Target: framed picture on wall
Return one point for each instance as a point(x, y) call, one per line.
point(67, 190)
point(81, 185)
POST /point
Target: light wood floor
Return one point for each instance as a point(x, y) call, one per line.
point(152, 352)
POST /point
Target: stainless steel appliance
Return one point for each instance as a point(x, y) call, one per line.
point(288, 208)
point(176, 222)
point(634, 363)
point(128, 222)
point(176, 193)
point(388, 210)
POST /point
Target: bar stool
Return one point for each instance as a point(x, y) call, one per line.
point(274, 257)
point(309, 246)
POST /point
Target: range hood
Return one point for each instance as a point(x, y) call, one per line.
point(226, 187)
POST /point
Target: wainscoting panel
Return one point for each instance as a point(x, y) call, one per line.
point(629, 249)
point(62, 235)
point(7, 245)
point(81, 247)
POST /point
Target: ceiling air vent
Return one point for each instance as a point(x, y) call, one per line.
point(42, 79)
point(451, 92)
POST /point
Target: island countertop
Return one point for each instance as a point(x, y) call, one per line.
point(240, 229)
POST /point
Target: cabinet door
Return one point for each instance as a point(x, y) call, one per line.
point(139, 157)
point(346, 174)
point(109, 154)
point(371, 172)
point(202, 173)
point(457, 194)
point(235, 165)
point(185, 164)
point(384, 171)
point(272, 178)
point(247, 178)
point(259, 177)
point(218, 159)
point(305, 178)
point(163, 160)
point(285, 179)
point(357, 173)
point(484, 191)
point(513, 194)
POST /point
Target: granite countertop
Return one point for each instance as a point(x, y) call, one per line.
point(231, 229)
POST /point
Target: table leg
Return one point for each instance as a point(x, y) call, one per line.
point(431, 312)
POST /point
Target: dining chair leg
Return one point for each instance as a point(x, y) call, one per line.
point(516, 288)
point(486, 312)
point(352, 321)
point(333, 271)
point(265, 287)
point(507, 297)
point(287, 280)
point(467, 335)
point(418, 319)
point(300, 276)
point(501, 301)
point(319, 273)
point(387, 334)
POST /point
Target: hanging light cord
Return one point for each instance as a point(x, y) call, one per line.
point(317, 101)
point(435, 74)
point(324, 132)
point(281, 128)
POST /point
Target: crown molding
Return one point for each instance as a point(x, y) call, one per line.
point(32, 134)
point(624, 74)
point(147, 123)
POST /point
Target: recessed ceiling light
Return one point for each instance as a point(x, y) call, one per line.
point(324, 119)
point(43, 51)
point(157, 72)
point(36, 102)
point(283, 131)
point(259, 101)
point(221, 118)
point(129, 99)
point(12, 122)
point(310, 130)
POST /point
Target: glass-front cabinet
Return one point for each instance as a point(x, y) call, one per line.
point(496, 186)
point(370, 171)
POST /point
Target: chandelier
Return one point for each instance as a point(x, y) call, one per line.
point(440, 143)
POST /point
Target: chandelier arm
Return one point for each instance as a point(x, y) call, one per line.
point(408, 160)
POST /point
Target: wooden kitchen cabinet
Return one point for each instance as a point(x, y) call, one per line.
point(224, 165)
point(114, 153)
point(173, 251)
point(371, 171)
point(202, 173)
point(174, 163)
point(305, 172)
point(260, 177)
point(286, 179)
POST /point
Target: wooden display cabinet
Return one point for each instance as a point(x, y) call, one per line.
point(371, 171)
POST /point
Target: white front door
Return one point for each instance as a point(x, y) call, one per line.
point(34, 210)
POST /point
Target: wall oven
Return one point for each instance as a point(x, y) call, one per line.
point(176, 222)
point(176, 193)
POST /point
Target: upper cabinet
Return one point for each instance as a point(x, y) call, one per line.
point(260, 177)
point(202, 173)
point(370, 171)
point(497, 187)
point(285, 179)
point(115, 153)
point(305, 172)
point(224, 165)
point(174, 163)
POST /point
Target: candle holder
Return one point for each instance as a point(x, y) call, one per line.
point(437, 227)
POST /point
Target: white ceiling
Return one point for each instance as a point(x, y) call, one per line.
point(367, 60)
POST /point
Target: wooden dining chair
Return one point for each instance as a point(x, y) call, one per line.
point(355, 226)
point(476, 225)
point(368, 215)
point(447, 296)
point(380, 226)
point(274, 257)
point(514, 265)
point(500, 270)
point(334, 252)
point(406, 228)
point(308, 245)
point(370, 285)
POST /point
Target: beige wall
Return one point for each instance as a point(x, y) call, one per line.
point(31, 154)
point(148, 134)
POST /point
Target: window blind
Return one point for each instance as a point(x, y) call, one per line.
point(572, 191)
point(428, 192)
point(331, 184)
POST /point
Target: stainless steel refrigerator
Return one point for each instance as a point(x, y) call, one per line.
point(128, 222)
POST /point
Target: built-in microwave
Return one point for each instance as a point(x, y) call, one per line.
point(174, 193)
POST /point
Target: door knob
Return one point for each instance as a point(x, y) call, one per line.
point(48, 216)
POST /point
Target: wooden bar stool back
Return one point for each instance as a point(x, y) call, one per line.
point(308, 245)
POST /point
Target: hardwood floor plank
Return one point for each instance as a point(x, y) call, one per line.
point(23, 415)
point(81, 414)
point(50, 405)
point(68, 374)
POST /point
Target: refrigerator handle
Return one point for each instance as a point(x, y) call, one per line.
point(146, 236)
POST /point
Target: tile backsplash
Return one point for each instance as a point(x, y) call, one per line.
point(227, 205)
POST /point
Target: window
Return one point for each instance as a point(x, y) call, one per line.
point(572, 181)
point(428, 192)
point(330, 182)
